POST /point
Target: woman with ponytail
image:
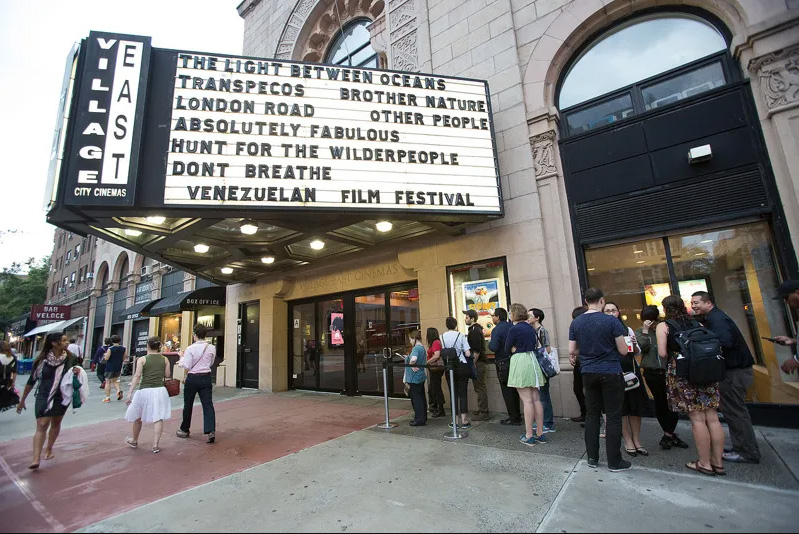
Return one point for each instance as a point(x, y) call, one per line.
point(49, 370)
point(699, 402)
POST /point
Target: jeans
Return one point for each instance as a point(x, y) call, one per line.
point(461, 391)
point(603, 390)
point(435, 392)
point(546, 400)
point(733, 406)
point(577, 387)
point(418, 402)
point(199, 384)
point(479, 384)
point(656, 380)
point(510, 395)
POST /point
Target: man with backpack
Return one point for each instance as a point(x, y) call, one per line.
point(476, 340)
point(739, 376)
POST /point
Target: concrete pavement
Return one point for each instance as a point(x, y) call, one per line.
point(300, 462)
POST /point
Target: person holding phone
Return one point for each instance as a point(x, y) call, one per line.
point(788, 291)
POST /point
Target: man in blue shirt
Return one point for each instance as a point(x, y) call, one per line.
point(598, 339)
point(502, 360)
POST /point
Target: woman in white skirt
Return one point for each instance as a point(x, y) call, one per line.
point(150, 404)
point(525, 374)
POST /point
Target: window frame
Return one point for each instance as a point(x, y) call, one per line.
point(348, 58)
point(731, 75)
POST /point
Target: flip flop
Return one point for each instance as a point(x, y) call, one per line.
point(156, 450)
point(132, 444)
point(694, 466)
point(49, 456)
point(642, 451)
point(34, 465)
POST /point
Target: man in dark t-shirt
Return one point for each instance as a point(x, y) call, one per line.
point(599, 341)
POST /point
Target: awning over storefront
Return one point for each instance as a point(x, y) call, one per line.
point(69, 322)
point(190, 301)
point(58, 326)
point(136, 311)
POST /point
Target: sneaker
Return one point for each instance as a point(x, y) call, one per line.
point(542, 439)
point(677, 442)
point(107, 399)
point(623, 464)
point(593, 462)
point(462, 425)
point(737, 458)
point(211, 437)
point(665, 442)
point(729, 449)
point(549, 430)
point(531, 442)
point(179, 433)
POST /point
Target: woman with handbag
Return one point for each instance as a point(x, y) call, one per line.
point(453, 342)
point(436, 365)
point(50, 370)
point(114, 357)
point(525, 373)
point(535, 317)
point(635, 398)
point(150, 404)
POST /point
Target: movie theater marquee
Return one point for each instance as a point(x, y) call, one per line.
point(264, 133)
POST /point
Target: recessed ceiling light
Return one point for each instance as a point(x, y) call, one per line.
point(384, 226)
point(316, 244)
point(699, 254)
point(156, 219)
point(591, 269)
point(638, 251)
point(268, 259)
point(201, 248)
point(226, 270)
point(641, 261)
point(248, 227)
point(132, 233)
point(707, 241)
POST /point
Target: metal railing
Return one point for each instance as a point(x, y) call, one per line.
point(457, 432)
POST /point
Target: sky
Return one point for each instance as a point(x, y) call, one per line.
point(35, 38)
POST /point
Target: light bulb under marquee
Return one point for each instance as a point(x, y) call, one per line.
point(157, 219)
point(201, 248)
point(316, 244)
point(268, 259)
point(226, 270)
point(248, 228)
point(384, 226)
point(132, 233)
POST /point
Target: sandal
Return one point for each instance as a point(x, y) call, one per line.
point(720, 471)
point(119, 395)
point(132, 444)
point(632, 452)
point(49, 455)
point(34, 465)
point(107, 399)
point(694, 466)
point(156, 450)
point(642, 451)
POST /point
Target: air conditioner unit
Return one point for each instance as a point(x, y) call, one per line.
point(90, 276)
point(62, 290)
point(72, 284)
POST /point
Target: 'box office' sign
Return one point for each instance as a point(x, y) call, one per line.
point(218, 131)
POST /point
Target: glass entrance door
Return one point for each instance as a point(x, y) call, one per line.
point(338, 344)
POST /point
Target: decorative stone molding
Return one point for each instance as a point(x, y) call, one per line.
point(403, 23)
point(313, 23)
point(543, 146)
point(778, 73)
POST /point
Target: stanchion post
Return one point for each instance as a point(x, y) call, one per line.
point(457, 433)
point(388, 425)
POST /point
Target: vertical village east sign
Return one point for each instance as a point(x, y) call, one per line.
point(164, 128)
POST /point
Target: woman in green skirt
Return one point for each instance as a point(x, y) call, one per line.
point(525, 374)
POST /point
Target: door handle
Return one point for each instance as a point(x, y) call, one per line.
point(247, 350)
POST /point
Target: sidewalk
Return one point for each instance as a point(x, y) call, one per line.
point(314, 462)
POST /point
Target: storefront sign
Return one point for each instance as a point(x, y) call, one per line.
point(144, 291)
point(43, 312)
point(274, 134)
point(104, 155)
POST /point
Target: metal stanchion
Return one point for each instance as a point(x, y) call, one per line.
point(457, 433)
point(388, 424)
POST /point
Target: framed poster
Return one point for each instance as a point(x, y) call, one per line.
point(482, 296)
point(336, 329)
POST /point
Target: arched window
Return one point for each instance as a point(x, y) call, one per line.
point(352, 47)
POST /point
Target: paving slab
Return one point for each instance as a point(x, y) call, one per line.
point(650, 500)
point(367, 482)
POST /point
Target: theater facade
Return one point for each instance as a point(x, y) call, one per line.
point(366, 168)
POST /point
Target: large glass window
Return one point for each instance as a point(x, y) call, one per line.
point(683, 86)
point(600, 114)
point(304, 348)
point(482, 287)
point(734, 264)
point(636, 51)
point(353, 47)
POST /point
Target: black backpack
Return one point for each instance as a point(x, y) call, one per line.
point(700, 360)
point(449, 355)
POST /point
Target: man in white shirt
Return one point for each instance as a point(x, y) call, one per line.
point(76, 346)
point(197, 360)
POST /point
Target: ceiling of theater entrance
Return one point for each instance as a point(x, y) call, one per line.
point(219, 249)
